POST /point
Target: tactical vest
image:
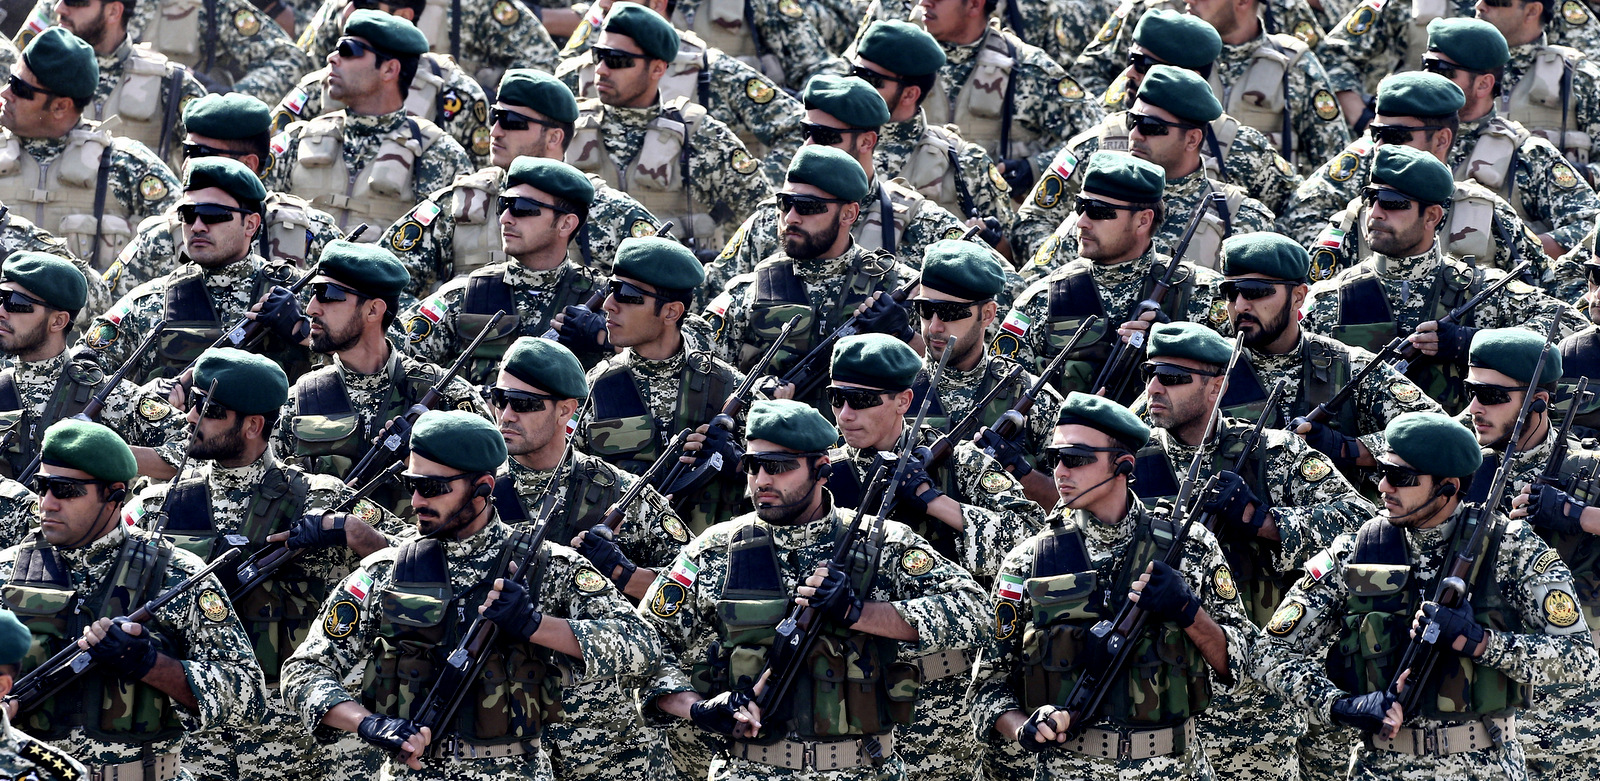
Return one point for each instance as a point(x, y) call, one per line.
point(285, 235)
point(1259, 98)
point(1074, 296)
point(488, 292)
point(476, 241)
point(1324, 369)
point(851, 684)
point(1492, 163)
point(882, 226)
point(105, 707)
point(193, 324)
point(381, 192)
point(1384, 592)
point(148, 109)
point(64, 196)
point(1416, 30)
point(1465, 232)
point(174, 30)
point(1365, 319)
point(424, 620)
point(1166, 681)
point(985, 107)
point(440, 21)
point(1113, 135)
point(658, 176)
point(1205, 248)
point(624, 433)
point(1542, 101)
point(995, 370)
point(934, 170)
point(77, 383)
point(780, 294)
point(847, 486)
point(591, 490)
point(422, 100)
point(729, 25)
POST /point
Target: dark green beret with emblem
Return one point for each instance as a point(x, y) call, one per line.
point(228, 175)
point(658, 261)
point(246, 382)
point(876, 361)
point(540, 92)
point(227, 117)
point(1414, 173)
point(1105, 415)
point(1513, 352)
point(1188, 340)
point(901, 48)
point(391, 35)
point(790, 424)
point(830, 170)
point(15, 639)
point(1178, 39)
point(548, 365)
point(369, 268)
point(1434, 444)
point(89, 447)
point(653, 34)
point(63, 64)
point(847, 99)
point(551, 176)
point(1181, 92)
point(1124, 177)
point(54, 280)
point(965, 269)
point(1471, 43)
point(1419, 94)
point(459, 440)
point(1265, 252)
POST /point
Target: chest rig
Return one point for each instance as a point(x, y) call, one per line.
point(780, 294)
point(1366, 319)
point(148, 110)
point(591, 489)
point(934, 170)
point(658, 174)
point(729, 25)
point(488, 292)
point(1542, 101)
point(67, 196)
point(175, 30)
point(1259, 97)
point(1324, 369)
point(985, 107)
point(193, 322)
point(330, 435)
point(381, 191)
point(994, 372)
point(1493, 161)
point(882, 226)
point(80, 378)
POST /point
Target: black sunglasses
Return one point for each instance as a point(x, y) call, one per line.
point(367, 5)
point(1445, 69)
point(511, 120)
point(62, 487)
point(774, 463)
point(616, 59)
point(1073, 456)
point(1390, 200)
point(857, 398)
point(827, 136)
point(208, 408)
point(1141, 63)
point(1491, 395)
point(1100, 210)
point(1156, 126)
point(209, 213)
point(332, 292)
point(429, 486)
point(875, 78)
point(629, 293)
point(26, 91)
point(521, 402)
point(76, 3)
point(1593, 273)
point(194, 151)
point(947, 311)
point(1399, 476)
point(1397, 134)
point(522, 208)
point(355, 49)
point(1252, 289)
point(805, 205)
point(1169, 375)
point(17, 302)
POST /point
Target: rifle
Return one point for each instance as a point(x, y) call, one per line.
point(599, 296)
point(1423, 653)
point(396, 432)
point(1119, 636)
point(1558, 450)
point(806, 374)
point(158, 523)
point(613, 518)
point(1116, 369)
point(247, 331)
point(1015, 418)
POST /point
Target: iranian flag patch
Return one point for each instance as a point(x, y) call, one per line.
point(118, 312)
point(1064, 164)
point(134, 513)
point(1331, 237)
point(297, 101)
point(1016, 323)
point(684, 572)
point(425, 212)
point(1011, 588)
point(359, 585)
point(1319, 566)
point(433, 309)
point(719, 305)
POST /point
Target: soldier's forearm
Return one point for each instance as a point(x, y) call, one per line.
point(638, 584)
point(168, 676)
point(345, 716)
point(881, 619)
point(1207, 635)
point(152, 465)
point(556, 634)
point(1040, 489)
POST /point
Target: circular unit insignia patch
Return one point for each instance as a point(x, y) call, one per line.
point(916, 561)
point(154, 409)
point(213, 605)
point(1563, 176)
point(1326, 106)
point(418, 328)
point(406, 236)
point(998, 179)
point(342, 619)
point(675, 529)
point(953, 233)
point(1068, 88)
point(246, 22)
point(1574, 12)
point(1288, 616)
point(743, 162)
point(759, 91)
point(366, 510)
point(668, 600)
point(641, 228)
point(1315, 468)
point(1404, 392)
point(1361, 21)
point(103, 336)
point(790, 8)
point(1307, 32)
point(151, 188)
point(1222, 579)
point(1343, 167)
point(505, 13)
point(588, 581)
point(994, 482)
point(1049, 191)
point(480, 141)
point(1560, 609)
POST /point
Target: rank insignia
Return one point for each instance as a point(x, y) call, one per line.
point(1005, 619)
point(505, 13)
point(342, 619)
point(1222, 579)
point(1563, 176)
point(668, 600)
point(154, 409)
point(759, 91)
point(1315, 468)
point(1286, 619)
point(213, 605)
point(743, 162)
point(1545, 560)
point(246, 22)
point(47, 758)
point(994, 482)
point(1574, 12)
point(1068, 88)
point(675, 529)
point(151, 188)
point(1560, 609)
point(588, 581)
point(916, 561)
point(1326, 106)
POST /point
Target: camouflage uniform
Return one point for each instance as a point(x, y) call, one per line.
point(442, 92)
point(425, 238)
point(1060, 27)
point(19, 513)
point(960, 391)
point(1547, 193)
point(9, 54)
point(1581, 106)
point(976, 189)
point(24, 757)
point(18, 234)
point(45, 396)
point(1316, 124)
point(615, 643)
point(158, 111)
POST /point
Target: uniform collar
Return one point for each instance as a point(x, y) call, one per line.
point(1127, 271)
point(118, 55)
point(375, 381)
point(1413, 267)
point(240, 274)
point(1232, 53)
point(374, 124)
point(807, 534)
point(1288, 360)
point(492, 534)
point(96, 552)
point(632, 118)
point(818, 271)
point(242, 478)
point(897, 139)
point(956, 378)
point(40, 372)
point(518, 275)
point(1105, 536)
point(668, 366)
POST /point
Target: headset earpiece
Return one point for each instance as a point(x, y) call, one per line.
point(116, 495)
point(1447, 490)
point(822, 472)
point(1124, 468)
point(1538, 405)
point(482, 491)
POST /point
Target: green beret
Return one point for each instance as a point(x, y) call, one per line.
point(551, 176)
point(1419, 94)
point(1178, 38)
point(830, 170)
point(847, 99)
point(1471, 43)
point(1188, 340)
point(659, 261)
point(876, 361)
point(790, 424)
point(1181, 92)
point(247, 383)
point(653, 34)
point(1512, 352)
point(1105, 415)
point(901, 48)
point(89, 447)
point(1265, 252)
point(62, 63)
point(48, 277)
point(458, 439)
point(538, 91)
point(369, 268)
point(1124, 177)
point(965, 269)
point(1434, 444)
point(548, 365)
point(389, 34)
point(1413, 172)
point(15, 639)
point(228, 175)
point(229, 117)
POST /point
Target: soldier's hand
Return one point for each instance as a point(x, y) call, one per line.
point(1446, 341)
point(730, 714)
point(1018, 173)
point(1009, 452)
point(1045, 726)
point(398, 735)
point(315, 530)
point(1232, 501)
point(1550, 508)
point(1141, 324)
point(1163, 593)
point(1343, 450)
point(693, 444)
point(598, 546)
point(121, 645)
point(881, 314)
point(581, 329)
point(280, 312)
point(1458, 627)
point(916, 489)
point(510, 608)
point(1374, 713)
point(830, 591)
point(178, 390)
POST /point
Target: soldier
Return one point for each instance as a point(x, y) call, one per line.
point(455, 231)
point(901, 600)
point(821, 273)
point(1372, 302)
point(71, 176)
point(372, 161)
point(17, 234)
point(1333, 648)
point(189, 671)
point(1201, 634)
point(440, 91)
point(1117, 267)
point(333, 414)
point(1059, 28)
point(218, 280)
point(570, 621)
point(541, 211)
point(680, 163)
point(21, 754)
point(1565, 116)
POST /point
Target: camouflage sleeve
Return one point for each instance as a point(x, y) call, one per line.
point(1322, 132)
point(795, 41)
point(729, 184)
point(340, 639)
point(462, 395)
point(1061, 107)
point(737, 256)
point(1206, 570)
point(423, 241)
point(254, 45)
point(323, 229)
point(683, 612)
point(726, 314)
point(1369, 39)
point(1255, 165)
point(1554, 645)
point(321, 34)
point(1050, 202)
point(19, 512)
point(285, 150)
point(1107, 54)
point(142, 419)
point(190, 89)
point(932, 223)
point(151, 249)
point(1325, 192)
point(430, 325)
point(1522, 305)
point(463, 112)
point(1586, 102)
point(114, 333)
point(993, 694)
point(1205, 303)
point(1569, 279)
point(1293, 644)
point(933, 594)
point(1042, 418)
point(1023, 335)
point(220, 662)
point(1253, 216)
point(652, 534)
point(441, 164)
point(1320, 313)
point(751, 101)
point(1508, 223)
point(1554, 193)
point(991, 195)
point(141, 183)
point(1312, 502)
point(614, 216)
point(1381, 397)
point(995, 514)
point(503, 34)
point(615, 642)
point(303, 101)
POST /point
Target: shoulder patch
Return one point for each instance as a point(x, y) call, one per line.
point(641, 227)
point(743, 162)
point(1222, 580)
point(480, 141)
point(1343, 167)
point(1545, 561)
point(791, 8)
point(1010, 587)
point(952, 233)
point(418, 329)
point(366, 510)
point(213, 605)
point(1326, 106)
point(406, 236)
point(994, 482)
point(998, 179)
point(668, 600)
point(1307, 32)
point(759, 91)
point(505, 12)
point(1319, 566)
point(1219, 311)
point(916, 561)
point(1574, 13)
point(153, 409)
point(1560, 609)
point(1404, 392)
point(1116, 94)
point(102, 337)
point(1323, 264)
point(1315, 468)
point(684, 572)
point(341, 619)
point(151, 188)
point(675, 529)
point(359, 584)
point(1005, 619)
point(246, 22)
point(480, 110)
point(588, 581)
point(1069, 88)
point(1363, 18)
point(1112, 25)
point(1520, 289)
point(1286, 619)
point(1283, 166)
point(450, 104)
point(1563, 176)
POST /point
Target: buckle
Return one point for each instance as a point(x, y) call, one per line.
point(808, 755)
point(1124, 744)
point(1430, 741)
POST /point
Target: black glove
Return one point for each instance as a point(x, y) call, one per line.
point(386, 732)
point(716, 714)
point(128, 656)
point(602, 551)
point(1545, 503)
point(281, 313)
point(513, 612)
point(1008, 452)
point(1168, 597)
point(1342, 449)
point(992, 234)
point(1019, 174)
point(582, 329)
point(837, 599)
point(308, 532)
point(1454, 622)
point(1231, 499)
point(1028, 734)
point(720, 441)
point(1454, 341)
point(916, 475)
point(1365, 712)
point(887, 316)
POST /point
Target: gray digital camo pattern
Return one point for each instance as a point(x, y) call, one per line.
point(112, 68)
point(140, 418)
point(1319, 129)
point(978, 174)
point(436, 167)
point(23, 756)
point(1585, 75)
point(19, 512)
point(958, 394)
point(1545, 190)
point(139, 182)
point(1290, 660)
point(1059, 27)
point(1107, 543)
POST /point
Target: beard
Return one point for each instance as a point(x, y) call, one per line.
point(1266, 333)
point(17, 343)
point(801, 245)
point(787, 510)
point(330, 342)
point(227, 445)
point(458, 519)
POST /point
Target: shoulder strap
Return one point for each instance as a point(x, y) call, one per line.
point(506, 502)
